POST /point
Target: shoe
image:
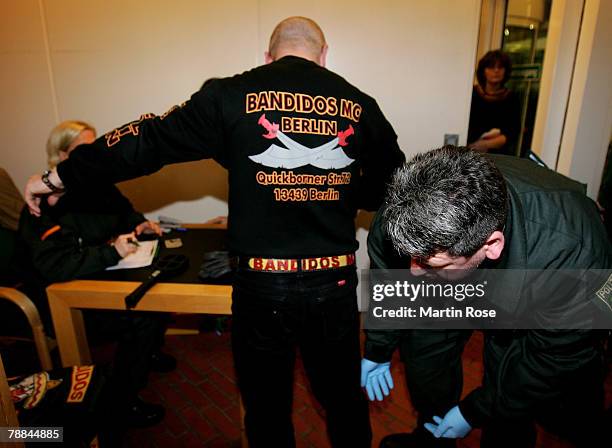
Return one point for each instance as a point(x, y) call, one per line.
point(162, 362)
point(415, 440)
point(141, 414)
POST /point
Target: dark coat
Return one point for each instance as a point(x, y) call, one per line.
point(72, 238)
point(551, 224)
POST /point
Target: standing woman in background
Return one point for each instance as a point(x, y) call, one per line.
point(495, 114)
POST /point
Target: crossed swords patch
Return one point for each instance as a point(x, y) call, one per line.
point(294, 155)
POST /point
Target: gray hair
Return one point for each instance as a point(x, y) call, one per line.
point(450, 199)
point(62, 136)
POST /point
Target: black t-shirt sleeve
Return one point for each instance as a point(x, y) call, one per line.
point(381, 157)
point(190, 131)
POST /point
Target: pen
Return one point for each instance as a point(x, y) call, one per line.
point(134, 242)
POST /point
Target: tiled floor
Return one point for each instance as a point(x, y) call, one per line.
point(201, 400)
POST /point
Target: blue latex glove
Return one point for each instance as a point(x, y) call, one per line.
point(376, 378)
point(453, 426)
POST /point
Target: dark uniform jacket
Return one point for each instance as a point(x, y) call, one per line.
point(551, 224)
point(71, 239)
point(304, 150)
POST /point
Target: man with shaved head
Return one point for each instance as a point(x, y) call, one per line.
point(304, 149)
point(297, 36)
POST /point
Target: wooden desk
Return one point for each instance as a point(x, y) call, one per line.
point(66, 300)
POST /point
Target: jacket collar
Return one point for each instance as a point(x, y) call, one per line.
point(514, 256)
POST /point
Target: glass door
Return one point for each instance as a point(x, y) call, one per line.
point(524, 39)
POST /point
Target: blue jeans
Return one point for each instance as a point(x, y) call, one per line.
point(273, 315)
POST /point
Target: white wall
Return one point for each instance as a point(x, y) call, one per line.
point(108, 61)
point(574, 116)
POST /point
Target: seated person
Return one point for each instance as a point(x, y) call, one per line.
point(86, 233)
point(495, 114)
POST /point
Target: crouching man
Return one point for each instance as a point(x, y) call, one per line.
point(452, 208)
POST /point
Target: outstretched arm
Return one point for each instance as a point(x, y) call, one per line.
point(191, 131)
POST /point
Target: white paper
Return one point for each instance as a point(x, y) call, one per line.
point(142, 257)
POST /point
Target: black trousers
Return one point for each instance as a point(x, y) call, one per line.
point(435, 379)
point(434, 375)
point(138, 336)
point(576, 414)
point(273, 315)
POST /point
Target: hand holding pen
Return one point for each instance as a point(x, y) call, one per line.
point(126, 244)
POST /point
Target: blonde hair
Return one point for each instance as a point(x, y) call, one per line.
point(297, 33)
point(62, 136)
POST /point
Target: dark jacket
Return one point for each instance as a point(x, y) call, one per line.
point(71, 239)
point(551, 224)
point(502, 112)
point(304, 149)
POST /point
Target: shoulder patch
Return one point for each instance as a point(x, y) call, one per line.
point(605, 293)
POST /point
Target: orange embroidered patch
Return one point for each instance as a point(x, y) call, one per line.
point(81, 377)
